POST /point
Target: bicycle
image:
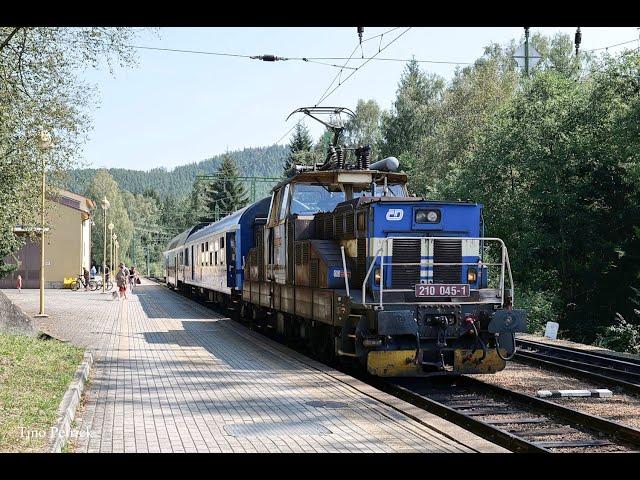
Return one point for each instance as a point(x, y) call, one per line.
point(108, 286)
point(81, 283)
point(132, 282)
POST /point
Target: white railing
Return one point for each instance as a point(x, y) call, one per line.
point(383, 252)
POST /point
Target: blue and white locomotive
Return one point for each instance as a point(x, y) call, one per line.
point(341, 258)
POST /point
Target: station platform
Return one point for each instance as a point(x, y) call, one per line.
point(170, 375)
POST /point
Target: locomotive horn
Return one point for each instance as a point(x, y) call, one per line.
point(389, 164)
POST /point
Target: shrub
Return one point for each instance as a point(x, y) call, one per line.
point(622, 336)
point(540, 307)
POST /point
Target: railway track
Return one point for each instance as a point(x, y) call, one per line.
point(601, 367)
point(516, 421)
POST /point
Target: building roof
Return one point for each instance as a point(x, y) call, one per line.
point(73, 200)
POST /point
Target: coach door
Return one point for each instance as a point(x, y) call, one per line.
point(193, 265)
point(230, 244)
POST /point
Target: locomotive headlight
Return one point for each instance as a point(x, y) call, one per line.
point(376, 276)
point(472, 275)
point(427, 216)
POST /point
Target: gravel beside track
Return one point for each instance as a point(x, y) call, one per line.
point(622, 408)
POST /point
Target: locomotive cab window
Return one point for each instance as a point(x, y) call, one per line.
point(275, 208)
point(312, 198)
point(284, 200)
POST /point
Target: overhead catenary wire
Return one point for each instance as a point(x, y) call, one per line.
point(306, 59)
point(611, 46)
point(325, 96)
point(337, 75)
point(272, 58)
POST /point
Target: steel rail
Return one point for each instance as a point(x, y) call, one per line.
point(613, 429)
point(623, 361)
point(526, 358)
point(585, 369)
point(618, 433)
point(475, 425)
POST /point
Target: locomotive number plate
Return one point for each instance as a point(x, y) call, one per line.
point(442, 290)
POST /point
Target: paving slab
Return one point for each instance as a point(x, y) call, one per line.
point(173, 376)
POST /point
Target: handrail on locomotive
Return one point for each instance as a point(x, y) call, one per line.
point(378, 260)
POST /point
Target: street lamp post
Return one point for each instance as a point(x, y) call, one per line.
point(111, 247)
point(44, 143)
point(117, 245)
point(105, 207)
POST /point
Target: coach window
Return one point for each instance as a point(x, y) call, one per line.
point(221, 242)
point(283, 203)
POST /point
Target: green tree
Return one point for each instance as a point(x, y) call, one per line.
point(300, 150)
point(103, 185)
point(550, 174)
point(469, 103)
point(408, 130)
point(557, 53)
point(41, 89)
point(226, 194)
point(197, 204)
point(144, 212)
point(364, 129)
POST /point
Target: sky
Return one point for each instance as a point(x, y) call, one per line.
point(178, 108)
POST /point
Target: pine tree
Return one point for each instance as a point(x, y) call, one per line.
point(299, 150)
point(226, 192)
point(198, 209)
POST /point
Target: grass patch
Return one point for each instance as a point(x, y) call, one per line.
point(34, 376)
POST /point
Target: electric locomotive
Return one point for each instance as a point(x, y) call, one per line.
point(342, 258)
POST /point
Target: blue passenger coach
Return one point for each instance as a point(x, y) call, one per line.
point(210, 257)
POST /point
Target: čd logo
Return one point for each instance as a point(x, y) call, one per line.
point(395, 214)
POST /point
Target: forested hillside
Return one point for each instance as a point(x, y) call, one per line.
point(258, 161)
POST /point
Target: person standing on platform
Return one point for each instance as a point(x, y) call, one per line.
point(132, 277)
point(122, 277)
point(85, 274)
point(94, 272)
point(19, 283)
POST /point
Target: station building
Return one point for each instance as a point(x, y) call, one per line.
point(67, 248)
